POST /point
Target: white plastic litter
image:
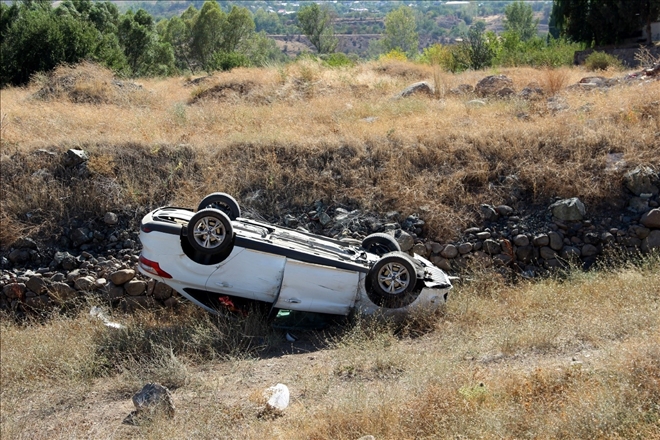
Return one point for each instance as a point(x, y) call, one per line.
point(98, 313)
point(278, 397)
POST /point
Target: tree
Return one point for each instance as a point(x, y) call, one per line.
point(601, 22)
point(476, 51)
point(207, 36)
point(316, 23)
point(237, 28)
point(401, 32)
point(519, 18)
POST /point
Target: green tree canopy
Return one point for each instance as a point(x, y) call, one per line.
point(401, 31)
point(238, 27)
point(602, 22)
point(316, 23)
point(38, 40)
point(207, 36)
point(519, 18)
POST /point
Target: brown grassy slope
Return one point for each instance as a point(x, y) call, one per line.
point(576, 358)
point(281, 138)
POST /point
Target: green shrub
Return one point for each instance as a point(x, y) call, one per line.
point(228, 60)
point(602, 61)
point(338, 59)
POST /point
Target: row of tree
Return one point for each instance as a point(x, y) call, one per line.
point(36, 36)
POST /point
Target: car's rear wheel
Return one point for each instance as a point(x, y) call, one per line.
point(392, 281)
point(380, 244)
point(210, 231)
point(223, 202)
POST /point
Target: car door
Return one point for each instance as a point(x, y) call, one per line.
point(249, 274)
point(316, 288)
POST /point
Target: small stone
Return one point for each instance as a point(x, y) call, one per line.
point(502, 259)
point(441, 262)
point(171, 302)
point(651, 219)
point(135, 287)
point(324, 219)
point(541, 240)
point(504, 210)
point(589, 250)
point(483, 235)
point(568, 209)
point(61, 292)
point(36, 284)
point(122, 276)
point(488, 212)
point(547, 253)
point(640, 181)
point(420, 249)
point(465, 248)
point(521, 240)
point(651, 242)
point(450, 251)
point(525, 253)
point(25, 243)
point(85, 283)
point(154, 399)
point(162, 291)
point(19, 256)
point(110, 218)
point(422, 88)
point(74, 157)
point(14, 290)
point(492, 247)
point(556, 242)
point(570, 252)
point(641, 232)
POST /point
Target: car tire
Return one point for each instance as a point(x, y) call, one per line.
point(210, 231)
point(380, 244)
point(223, 202)
point(392, 281)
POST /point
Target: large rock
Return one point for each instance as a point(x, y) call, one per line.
point(122, 276)
point(86, 283)
point(14, 290)
point(420, 88)
point(568, 209)
point(492, 85)
point(651, 242)
point(61, 292)
point(651, 219)
point(110, 218)
point(36, 284)
point(641, 181)
point(405, 240)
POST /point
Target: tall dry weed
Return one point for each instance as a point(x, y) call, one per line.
point(555, 80)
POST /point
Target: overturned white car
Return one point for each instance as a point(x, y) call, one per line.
point(217, 259)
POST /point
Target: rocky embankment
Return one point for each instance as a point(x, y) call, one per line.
point(97, 258)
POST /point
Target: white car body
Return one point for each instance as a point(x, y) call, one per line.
point(288, 269)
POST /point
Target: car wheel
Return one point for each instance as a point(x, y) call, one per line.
point(392, 281)
point(223, 202)
point(210, 231)
point(380, 244)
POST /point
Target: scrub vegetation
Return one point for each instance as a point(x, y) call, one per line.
point(576, 357)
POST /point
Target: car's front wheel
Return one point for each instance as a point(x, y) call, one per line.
point(210, 231)
point(392, 281)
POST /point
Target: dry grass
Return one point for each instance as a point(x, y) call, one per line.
point(571, 358)
point(282, 137)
